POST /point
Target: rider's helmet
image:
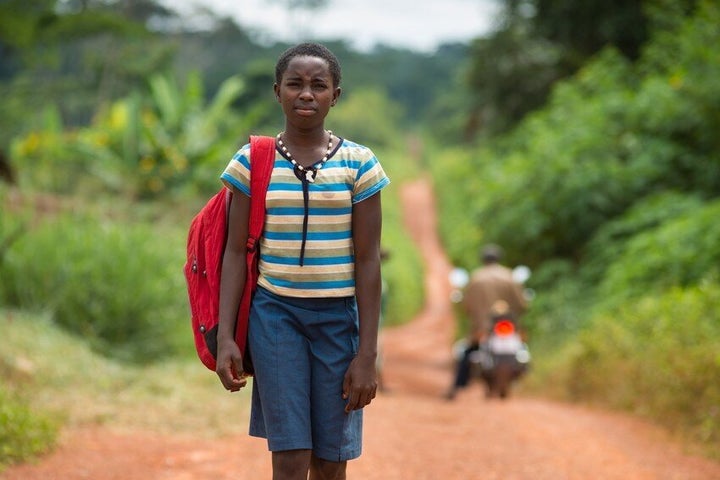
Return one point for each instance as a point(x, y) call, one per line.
point(491, 253)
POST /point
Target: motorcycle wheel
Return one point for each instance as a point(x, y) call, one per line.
point(499, 385)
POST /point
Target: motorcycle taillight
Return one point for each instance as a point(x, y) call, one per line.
point(504, 327)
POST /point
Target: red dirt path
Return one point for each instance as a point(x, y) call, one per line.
point(410, 432)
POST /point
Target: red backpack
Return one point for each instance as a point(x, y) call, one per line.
point(205, 248)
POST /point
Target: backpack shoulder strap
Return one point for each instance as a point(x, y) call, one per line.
point(262, 156)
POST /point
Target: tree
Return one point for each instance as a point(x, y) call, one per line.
point(539, 42)
point(510, 75)
point(74, 54)
point(583, 28)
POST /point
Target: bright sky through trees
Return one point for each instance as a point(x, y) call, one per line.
point(415, 24)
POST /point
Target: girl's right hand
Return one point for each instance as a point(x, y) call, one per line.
point(229, 366)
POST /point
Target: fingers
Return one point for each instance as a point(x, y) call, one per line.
point(358, 398)
point(347, 385)
point(356, 402)
point(347, 393)
point(359, 386)
point(231, 373)
point(238, 371)
point(230, 380)
point(237, 384)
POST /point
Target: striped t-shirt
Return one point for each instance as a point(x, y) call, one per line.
point(351, 174)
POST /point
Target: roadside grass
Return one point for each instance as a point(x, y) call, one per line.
point(24, 432)
point(403, 270)
point(656, 358)
point(59, 375)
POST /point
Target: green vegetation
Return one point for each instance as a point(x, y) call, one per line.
point(114, 283)
point(23, 432)
point(609, 192)
point(53, 378)
point(586, 148)
point(402, 271)
point(658, 359)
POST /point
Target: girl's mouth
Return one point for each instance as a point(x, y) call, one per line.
point(304, 111)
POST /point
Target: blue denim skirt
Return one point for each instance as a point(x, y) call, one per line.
point(301, 349)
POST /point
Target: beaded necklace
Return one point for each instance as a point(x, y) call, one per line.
point(309, 172)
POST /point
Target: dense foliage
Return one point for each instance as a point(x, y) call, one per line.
point(115, 283)
point(663, 359)
point(539, 42)
point(616, 134)
point(610, 193)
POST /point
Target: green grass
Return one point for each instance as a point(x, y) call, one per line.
point(656, 357)
point(24, 431)
point(115, 282)
point(59, 374)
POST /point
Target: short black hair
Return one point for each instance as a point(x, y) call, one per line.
point(308, 50)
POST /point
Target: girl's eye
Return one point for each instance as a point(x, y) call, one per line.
point(297, 84)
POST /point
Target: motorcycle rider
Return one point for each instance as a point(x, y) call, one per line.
point(490, 283)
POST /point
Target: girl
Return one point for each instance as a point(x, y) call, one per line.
point(314, 320)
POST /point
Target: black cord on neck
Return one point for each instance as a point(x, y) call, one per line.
point(306, 203)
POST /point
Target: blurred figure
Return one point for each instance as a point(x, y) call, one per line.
point(379, 362)
point(490, 285)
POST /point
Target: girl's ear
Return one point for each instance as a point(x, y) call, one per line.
point(276, 89)
point(336, 96)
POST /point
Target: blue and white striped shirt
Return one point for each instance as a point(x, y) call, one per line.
point(351, 174)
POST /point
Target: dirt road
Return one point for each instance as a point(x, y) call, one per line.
point(411, 433)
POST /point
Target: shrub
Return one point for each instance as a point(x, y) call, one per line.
point(680, 252)
point(144, 146)
point(23, 432)
point(119, 286)
point(613, 238)
point(657, 357)
point(560, 307)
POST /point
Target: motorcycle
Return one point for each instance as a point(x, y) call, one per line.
point(502, 358)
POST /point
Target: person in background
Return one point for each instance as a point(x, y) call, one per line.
point(314, 318)
point(490, 285)
point(380, 363)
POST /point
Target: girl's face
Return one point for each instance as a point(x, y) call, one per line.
point(306, 91)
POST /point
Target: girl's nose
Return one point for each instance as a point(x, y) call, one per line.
point(306, 92)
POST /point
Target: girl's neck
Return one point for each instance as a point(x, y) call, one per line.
point(305, 138)
point(310, 150)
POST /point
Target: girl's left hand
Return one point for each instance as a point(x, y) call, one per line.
point(360, 383)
